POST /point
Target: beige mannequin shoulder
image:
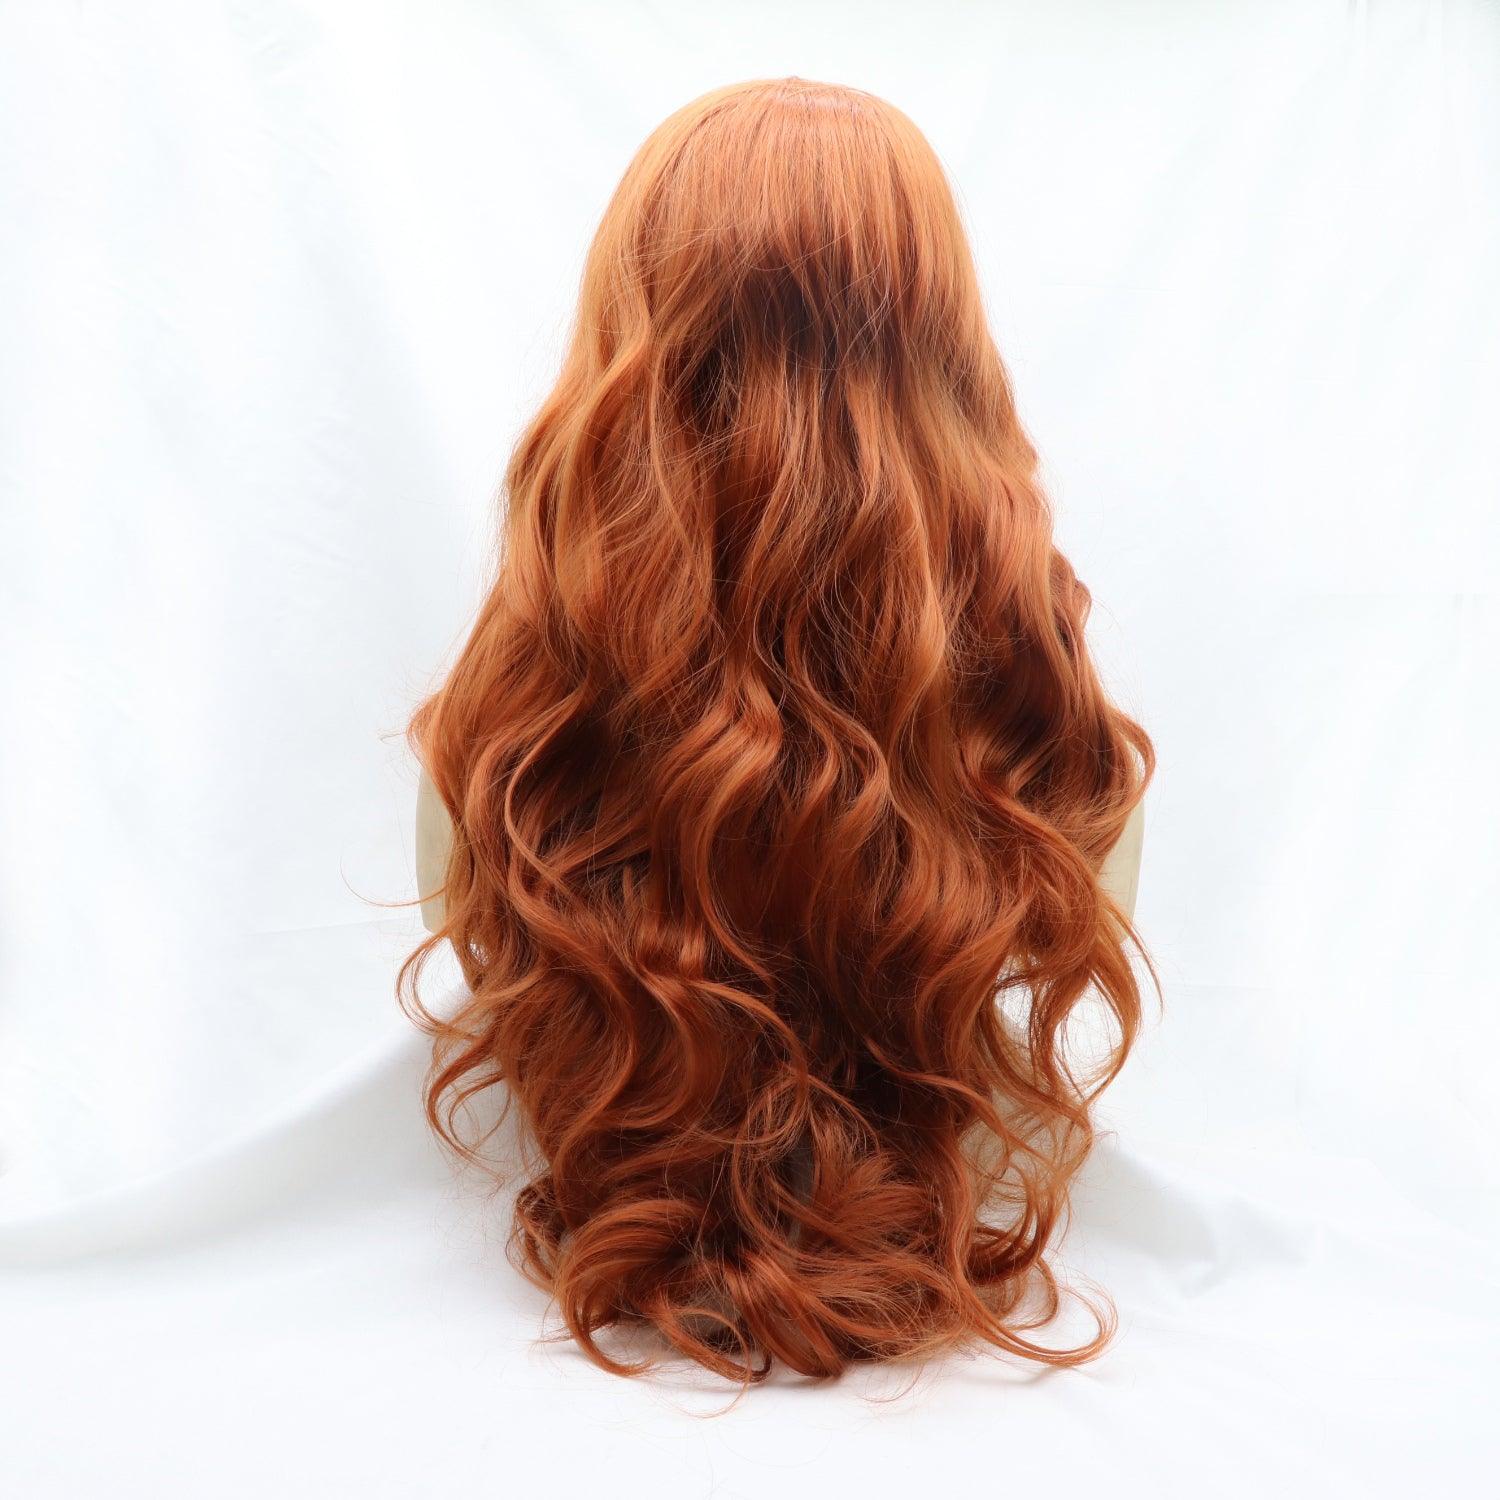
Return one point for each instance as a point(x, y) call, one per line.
point(1120, 876)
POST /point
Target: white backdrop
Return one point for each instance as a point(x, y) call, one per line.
point(278, 284)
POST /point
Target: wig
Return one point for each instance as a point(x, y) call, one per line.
point(781, 781)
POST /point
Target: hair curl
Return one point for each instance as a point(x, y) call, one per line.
point(781, 779)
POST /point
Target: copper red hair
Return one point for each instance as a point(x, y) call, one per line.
point(781, 778)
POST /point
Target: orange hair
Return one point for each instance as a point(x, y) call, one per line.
point(781, 779)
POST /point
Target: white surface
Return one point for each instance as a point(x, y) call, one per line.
point(280, 284)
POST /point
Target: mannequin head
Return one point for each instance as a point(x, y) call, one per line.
point(781, 778)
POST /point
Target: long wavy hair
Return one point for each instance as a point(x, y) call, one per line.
point(781, 780)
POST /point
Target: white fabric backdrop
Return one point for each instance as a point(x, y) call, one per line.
point(280, 282)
